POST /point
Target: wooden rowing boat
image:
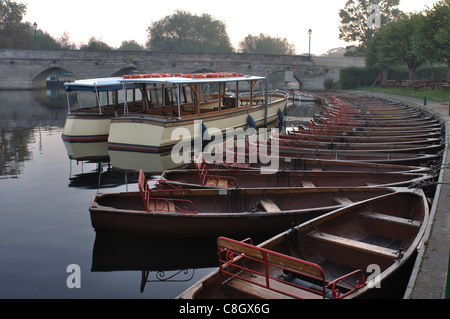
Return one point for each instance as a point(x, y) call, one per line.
point(380, 157)
point(353, 252)
point(426, 145)
point(228, 178)
point(214, 212)
point(303, 164)
point(314, 132)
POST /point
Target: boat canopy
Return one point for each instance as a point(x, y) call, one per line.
point(97, 85)
point(195, 78)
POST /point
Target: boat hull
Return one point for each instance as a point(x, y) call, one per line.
point(327, 257)
point(83, 128)
point(153, 134)
point(220, 212)
point(190, 178)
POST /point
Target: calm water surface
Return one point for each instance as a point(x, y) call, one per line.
point(45, 191)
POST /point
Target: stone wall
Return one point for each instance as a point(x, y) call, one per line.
point(28, 69)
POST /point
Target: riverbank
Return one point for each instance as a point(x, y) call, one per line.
point(429, 279)
point(436, 94)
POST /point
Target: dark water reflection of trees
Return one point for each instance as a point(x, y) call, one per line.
point(22, 113)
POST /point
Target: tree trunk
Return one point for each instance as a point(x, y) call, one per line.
point(412, 67)
point(448, 70)
point(385, 72)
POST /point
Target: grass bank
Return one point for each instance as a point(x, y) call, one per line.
point(437, 95)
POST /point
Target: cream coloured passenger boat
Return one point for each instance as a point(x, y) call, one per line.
point(188, 105)
point(99, 99)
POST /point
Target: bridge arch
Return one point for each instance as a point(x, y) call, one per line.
point(40, 80)
point(28, 69)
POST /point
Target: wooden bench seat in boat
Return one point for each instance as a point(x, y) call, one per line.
point(308, 184)
point(342, 200)
point(258, 291)
point(212, 180)
point(392, 219)
point(269, 206)
point(252, 281)
point(354, 244)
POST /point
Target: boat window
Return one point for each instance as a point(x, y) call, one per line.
point(132, 96)
point(154, 97)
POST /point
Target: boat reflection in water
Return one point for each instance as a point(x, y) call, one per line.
point(95, 151)
point(157, 259)
point(150, 163)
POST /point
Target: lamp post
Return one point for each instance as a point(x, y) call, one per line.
point(35, 39)
point(309, 33)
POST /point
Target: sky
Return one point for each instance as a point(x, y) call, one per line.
point(113, 21)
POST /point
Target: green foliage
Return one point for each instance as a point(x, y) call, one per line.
point(413, 40)
point(354, 77)
point(96, 45)
point(13, 33)
point(264, 44)
point(131, 45)
point(393, 45)
point(354, 17)
point(432, 38)
point(186, 32)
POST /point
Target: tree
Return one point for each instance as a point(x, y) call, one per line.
point(44, 41)
point(183, 31)
point(393, 44)
point(355, 15)
point(64, 42)
point(375, 59)
point(95, 45)
point(431, 40)
point(13, 33)
point(265, 44)
point(131, 45)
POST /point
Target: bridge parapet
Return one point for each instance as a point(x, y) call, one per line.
point(28, 69)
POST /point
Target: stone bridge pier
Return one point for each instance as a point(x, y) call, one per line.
point(29, 69)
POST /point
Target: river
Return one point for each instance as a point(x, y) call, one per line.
point(48, 247)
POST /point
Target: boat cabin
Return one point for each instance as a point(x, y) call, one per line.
point(181, 95)
point(107, 99)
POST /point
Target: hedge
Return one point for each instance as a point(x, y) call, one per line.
point(354, 77)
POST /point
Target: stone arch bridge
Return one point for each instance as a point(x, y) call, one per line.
point(28, 69)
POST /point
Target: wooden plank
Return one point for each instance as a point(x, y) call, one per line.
point(342, 200)
point(269, 206)
point(258, 291)
point(255, 290)
point(354, 244)
point(308, 184)
point(392, 219)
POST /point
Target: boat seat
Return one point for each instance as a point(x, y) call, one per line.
point(342, 200)
point(144, 189)
point(354, 244)
point(253, 282)
point(207, 179)
point(257, 291)
point(269, 206)
point(161, 206)
point(308, 184)
point(371, 184)
point(392, 219)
